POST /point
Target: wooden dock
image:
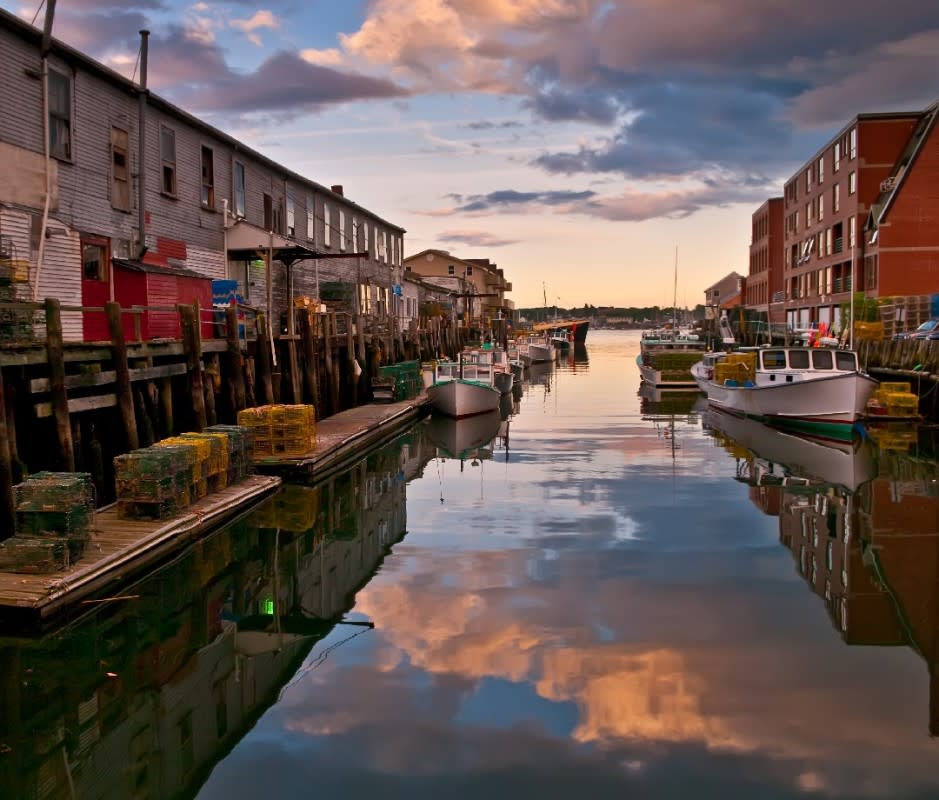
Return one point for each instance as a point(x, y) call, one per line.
point(345, 436)
point(119, 548)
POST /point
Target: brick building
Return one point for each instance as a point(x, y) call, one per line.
point(879, 171)
point(765, 277)
point(211, 205)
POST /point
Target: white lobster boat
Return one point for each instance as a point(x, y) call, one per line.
point(494, 358)
point(814, 390)
point(462, 390)
point(538, 348)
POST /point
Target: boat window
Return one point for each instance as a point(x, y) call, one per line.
point(799, 359)
point(774, 359)
point(846, 360)
point(821, 359)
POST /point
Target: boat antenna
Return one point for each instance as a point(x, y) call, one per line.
point(675, 294)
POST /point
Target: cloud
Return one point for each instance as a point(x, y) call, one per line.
point(487, 125)
point(505, 199)
point(286, 82)
point(262, 19)
point(475, 238)
point(324, 58)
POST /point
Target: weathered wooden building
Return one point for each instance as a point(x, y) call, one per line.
point(209, 204)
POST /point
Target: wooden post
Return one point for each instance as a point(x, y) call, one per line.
point(328, 354)
point(250, 397)
point(9, 399)
point(193, 349)
point(263, 361)
point(7, 500)
point(309, 359)
point(293, 363)
point(236, 361)
point(56, 356)
point(166, 403)
point(125, 399)
point(209, 379)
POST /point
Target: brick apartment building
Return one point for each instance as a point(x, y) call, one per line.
point(863, 211)
point(765, 277)
point(213, 208)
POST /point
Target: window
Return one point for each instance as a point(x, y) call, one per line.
point(852, 143)
point(365, 239)
point(451, 270)
point(821, 207)
point(268, 212)
point(168, 158)
point(808, 213)
point(845, 360)
point(469, 272)
point(836, 157)
point(852, 231)
point(208, 178)
point(821, 359)
point(852, 183)
point(820, 174)
point(327, 232)
point(799, 359)
point(240, 196)
point(355, 235)
point(384, 246)
point(95, 252)
point(278, 216)
point(828, 242)
point(60, 115)
point(120, 172)
point(774, 359)
point(342, 229)
point(836, 198)
point(310, 219)
point(808, 179)
point(291, 217)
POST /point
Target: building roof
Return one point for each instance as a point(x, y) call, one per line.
point(30, 33)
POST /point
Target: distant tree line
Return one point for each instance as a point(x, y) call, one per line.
point(637, 314)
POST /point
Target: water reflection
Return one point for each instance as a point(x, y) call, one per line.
point(861, 520)
point(142, 696)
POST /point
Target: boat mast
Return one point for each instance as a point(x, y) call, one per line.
point(675, 295)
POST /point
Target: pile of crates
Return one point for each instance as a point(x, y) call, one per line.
point(280, 430)
point(16, 324)
point(54, 518)
point(894, 399)
point(162, 480)
point(738, 368)
point(674, 365)
point(405, 377)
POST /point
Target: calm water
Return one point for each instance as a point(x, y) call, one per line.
point(603, 593)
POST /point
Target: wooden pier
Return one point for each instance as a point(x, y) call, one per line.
point(345, 436)
point(121, 548)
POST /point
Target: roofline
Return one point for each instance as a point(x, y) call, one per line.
point(447, 254)
point(930, 127)
point(31, 33)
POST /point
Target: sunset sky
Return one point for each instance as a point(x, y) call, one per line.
point(574, 142)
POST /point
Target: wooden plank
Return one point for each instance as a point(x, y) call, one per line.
point(91, 380)
point(79, 404)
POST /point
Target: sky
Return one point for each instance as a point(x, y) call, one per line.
point(576, 143)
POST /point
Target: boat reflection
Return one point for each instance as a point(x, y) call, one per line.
point(471, 438)
point(144, 694)
point(862, 524)
point(657, 401)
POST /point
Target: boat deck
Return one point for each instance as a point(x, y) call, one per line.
point(120, 548)
point(342, 437)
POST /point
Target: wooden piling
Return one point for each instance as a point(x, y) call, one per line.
point(236, 361)
point(7, 500)
point(166, 405)
point(309, 359)
point(125, 399)
point(210, 384)
point(263, 361)
point(58, 395)
point(192, 346)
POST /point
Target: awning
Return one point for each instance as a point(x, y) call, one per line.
point(247, 242)
point(140, 266)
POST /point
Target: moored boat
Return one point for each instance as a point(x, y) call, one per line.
point(462, 390)
point(814, 390)
point(492, 358)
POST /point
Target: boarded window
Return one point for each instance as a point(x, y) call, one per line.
point(120, 171)
point(94, 258)
point(60, 115)
point(240, 196)
point(268, 212)
point(168, 159)
point(310, 219)
point(208, 178)
point(291, 218)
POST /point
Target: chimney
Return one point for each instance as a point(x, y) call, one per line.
point(337, 189)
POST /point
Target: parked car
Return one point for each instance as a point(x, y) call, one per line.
point(924, 331)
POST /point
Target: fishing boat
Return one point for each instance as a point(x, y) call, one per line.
point(461, 390)
point(495, 359)
point(817, 391)
point(576, 329)
point(665, 359)
point(539, 348)
point(560, 339)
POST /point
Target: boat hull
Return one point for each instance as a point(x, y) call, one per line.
point(503, 381)
point(653, 377)
point(540, 353)
point(827, 407)
point(460, 398)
